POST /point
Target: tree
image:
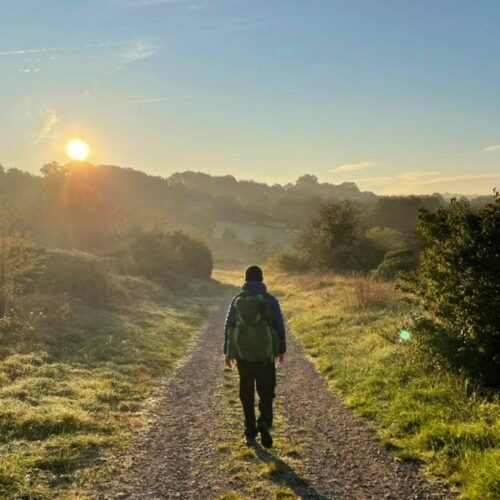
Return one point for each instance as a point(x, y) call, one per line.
point(335, 240)
point(458, 285)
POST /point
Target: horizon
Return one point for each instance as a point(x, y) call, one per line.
point(400, 99)
point(445, 195)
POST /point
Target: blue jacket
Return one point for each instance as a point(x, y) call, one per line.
point(273, 312)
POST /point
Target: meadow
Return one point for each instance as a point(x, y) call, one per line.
point(350, 328)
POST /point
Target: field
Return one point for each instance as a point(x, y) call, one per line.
point(76, 385)
point(350, 328)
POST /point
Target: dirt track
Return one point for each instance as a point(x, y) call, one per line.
point(339, 454)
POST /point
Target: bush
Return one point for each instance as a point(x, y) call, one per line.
point(458, 284)
point(171, 257)
point(289, 262)
point(78, 274)
point(394, 263)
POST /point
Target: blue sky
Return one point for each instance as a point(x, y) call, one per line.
point(400, 96)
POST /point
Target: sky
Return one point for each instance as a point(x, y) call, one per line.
point(399, 96)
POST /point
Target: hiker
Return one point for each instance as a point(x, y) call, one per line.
point(254, 336)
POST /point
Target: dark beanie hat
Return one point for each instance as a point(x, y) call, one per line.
point(254, 273)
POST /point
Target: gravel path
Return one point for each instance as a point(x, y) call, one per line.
point(340, 455)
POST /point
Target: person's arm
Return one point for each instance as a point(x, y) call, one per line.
point(278, 324)
point(230, 323)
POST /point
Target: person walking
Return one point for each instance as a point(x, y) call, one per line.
point(254, 337)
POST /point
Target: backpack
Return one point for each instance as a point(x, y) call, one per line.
point(253, 338)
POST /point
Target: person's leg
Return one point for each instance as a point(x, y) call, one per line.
point(247, 397)
point(266, 386)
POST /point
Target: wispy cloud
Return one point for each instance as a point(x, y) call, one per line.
point(354, 167)
point(139, 49)
point(48, 125)
point(421, 181)
point(45, 50)
point(29, 70)
point(494, 147)
point(463, 178)
point(127, 50)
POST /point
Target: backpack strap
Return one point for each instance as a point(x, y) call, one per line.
point(262, 298)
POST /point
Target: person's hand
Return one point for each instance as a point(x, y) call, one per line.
point(229, 362)
point(281, 359)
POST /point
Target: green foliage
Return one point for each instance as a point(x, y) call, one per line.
point(335, 240)
point(458, 284)
point(171, 257)
point(394, 263)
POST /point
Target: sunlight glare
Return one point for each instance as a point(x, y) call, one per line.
point(77, 149)
point(404, 335)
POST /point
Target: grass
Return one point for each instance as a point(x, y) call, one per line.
point(350, 330)
point(75, 387)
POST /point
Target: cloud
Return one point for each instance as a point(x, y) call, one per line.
point(416, 176)
point(29, 70)
point(462, 178)
point(354, 167)
point(48, 125)
point(421, 181)
point(30, 51)
point(135, 49)
point(138, 50)
point(489, 149)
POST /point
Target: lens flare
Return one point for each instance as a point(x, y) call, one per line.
point(404, 335)
point(77, 150)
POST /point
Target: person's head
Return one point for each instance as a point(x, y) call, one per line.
point(254, 273)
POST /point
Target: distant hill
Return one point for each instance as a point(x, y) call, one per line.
point(85, 206)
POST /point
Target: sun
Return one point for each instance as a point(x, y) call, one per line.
point(77, 149)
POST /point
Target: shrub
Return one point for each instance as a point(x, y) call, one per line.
point(458, 284)
point(289, 262)
point(77, 274)
point(394, 263)
point(171, 257)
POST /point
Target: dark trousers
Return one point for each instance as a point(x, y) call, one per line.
point(263, 377)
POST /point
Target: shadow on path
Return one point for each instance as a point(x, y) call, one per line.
point(283, 475)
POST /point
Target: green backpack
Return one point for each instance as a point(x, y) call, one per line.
point(253, 338)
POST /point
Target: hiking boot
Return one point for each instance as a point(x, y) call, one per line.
point(265, 436)
point(250, 441)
